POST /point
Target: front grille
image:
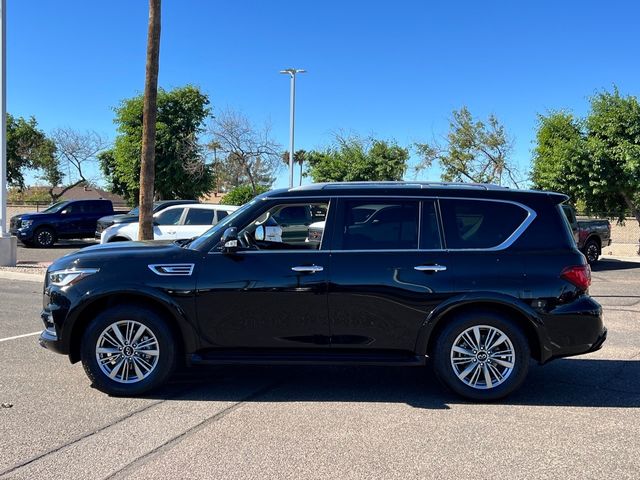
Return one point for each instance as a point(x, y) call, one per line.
point(101, 226)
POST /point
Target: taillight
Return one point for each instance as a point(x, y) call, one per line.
point(579, 275)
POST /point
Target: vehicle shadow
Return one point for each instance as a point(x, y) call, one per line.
point(606, 264)
point(566, 382)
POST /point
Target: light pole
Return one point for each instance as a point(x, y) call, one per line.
point(7, 243)
point(292, 73)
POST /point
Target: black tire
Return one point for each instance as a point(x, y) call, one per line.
point(443, 361)
point(162, 368)
point(44, 237)
point(591, 250)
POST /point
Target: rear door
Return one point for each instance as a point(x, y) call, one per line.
point(388, 271)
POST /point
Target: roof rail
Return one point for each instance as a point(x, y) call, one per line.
point(398, 184)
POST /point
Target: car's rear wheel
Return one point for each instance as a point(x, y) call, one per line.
point(128, 350)
point(44, 237)
point(481, 356)
point(591, 250)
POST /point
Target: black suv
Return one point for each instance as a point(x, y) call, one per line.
point(475, 278)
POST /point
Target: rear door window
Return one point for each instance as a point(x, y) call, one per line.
point(473, 224)
point(379, 225)
point(199, 216)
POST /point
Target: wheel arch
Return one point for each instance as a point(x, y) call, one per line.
point(523, 316)
point(184, 332)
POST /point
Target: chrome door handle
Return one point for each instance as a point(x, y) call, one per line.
point(430, 268)
point(308, 268)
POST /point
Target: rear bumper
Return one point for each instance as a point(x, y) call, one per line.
point(574, 328)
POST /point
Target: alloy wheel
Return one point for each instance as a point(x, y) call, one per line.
point(127, 351)
point(482, 357)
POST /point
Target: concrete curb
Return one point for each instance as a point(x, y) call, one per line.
point(23, 277)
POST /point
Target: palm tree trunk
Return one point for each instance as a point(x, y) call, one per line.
point(147, 164)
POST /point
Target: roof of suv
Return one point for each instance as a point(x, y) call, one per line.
point(413, 188)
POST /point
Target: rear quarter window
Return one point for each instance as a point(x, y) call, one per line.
point(473, 224)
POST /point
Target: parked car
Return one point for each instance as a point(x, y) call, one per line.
point(466, 277)
point(590, 235)
point(172, 223)
point(132, 215)
point(65, 219)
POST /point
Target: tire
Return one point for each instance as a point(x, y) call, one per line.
point(133, 371)
point(511, 362)
point(44, 237)
point(591, 250)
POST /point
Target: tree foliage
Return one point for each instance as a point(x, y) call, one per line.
point(250, 155)
point(595, 161)
point(180, 168)
point(242, 194)
point(356, 159)
point(474, 151)
point(29, 148)
point(299, 158)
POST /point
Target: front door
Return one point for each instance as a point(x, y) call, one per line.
point(388, 271)
point(270, 294)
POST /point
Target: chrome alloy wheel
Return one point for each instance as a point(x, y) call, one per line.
point(45, 237)
point(127, 351)
point(592, 253)
point(482, 357)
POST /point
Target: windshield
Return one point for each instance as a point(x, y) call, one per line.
point(221, 226)
point(55, 207)
point(133, 211)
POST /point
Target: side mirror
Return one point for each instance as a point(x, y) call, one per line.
point(260, 233)
point(64, 212)
point(229, 240)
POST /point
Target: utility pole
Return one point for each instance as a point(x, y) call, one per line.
point(292, 72)
point(8, 244)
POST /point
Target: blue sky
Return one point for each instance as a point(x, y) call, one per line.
point(394, 69)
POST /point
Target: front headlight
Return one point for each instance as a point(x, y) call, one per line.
point(26, 223)
point(62, 278)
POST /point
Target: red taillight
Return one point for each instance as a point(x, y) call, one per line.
point(579, 275)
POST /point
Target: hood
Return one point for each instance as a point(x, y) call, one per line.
point(124, 218)
point(31, 216)
point(122, 252)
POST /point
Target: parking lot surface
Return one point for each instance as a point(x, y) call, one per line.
point(573, 418)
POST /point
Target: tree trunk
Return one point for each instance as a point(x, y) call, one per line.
point(147, 164)
point(635, 211)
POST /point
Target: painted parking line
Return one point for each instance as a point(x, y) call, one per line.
point(20, 336)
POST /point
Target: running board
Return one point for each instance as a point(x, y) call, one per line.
point(243, 358)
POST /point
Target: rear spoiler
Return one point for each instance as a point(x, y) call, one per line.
point(557, 198)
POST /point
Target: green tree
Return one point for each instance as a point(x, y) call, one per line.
point(561, 146)
point(598, 164)
point(29, 148)
point(611, 176)
point(180, 168)
point(355, 159)
point(475, 151)
point(299, 157)
point(242, 194)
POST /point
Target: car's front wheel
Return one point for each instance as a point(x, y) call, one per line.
point(128, 350)
point(481, 356)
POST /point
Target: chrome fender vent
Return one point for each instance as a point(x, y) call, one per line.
point(172, 269)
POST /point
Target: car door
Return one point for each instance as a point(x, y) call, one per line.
point(271, 294)
point(71, 218)
point(166, 223)
point(195, 222)
point(388, 271)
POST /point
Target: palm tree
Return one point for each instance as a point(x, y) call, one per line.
point(299, 157)
point(147, 163)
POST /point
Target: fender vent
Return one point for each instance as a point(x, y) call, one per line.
point(172, 269)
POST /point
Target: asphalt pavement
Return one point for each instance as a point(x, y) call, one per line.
point(573, 418)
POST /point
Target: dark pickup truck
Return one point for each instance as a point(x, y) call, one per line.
point(66, 219)
point(590, 235)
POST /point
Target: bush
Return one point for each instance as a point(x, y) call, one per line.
point(242, 194)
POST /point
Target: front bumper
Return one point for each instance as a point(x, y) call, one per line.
point(23, 234)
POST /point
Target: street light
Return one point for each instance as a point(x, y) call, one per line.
point(7, 242)
point(292, 73)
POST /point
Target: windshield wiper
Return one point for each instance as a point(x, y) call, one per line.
point(183, 242)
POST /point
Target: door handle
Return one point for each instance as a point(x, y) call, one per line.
point(308, 268)
point(430, 268)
